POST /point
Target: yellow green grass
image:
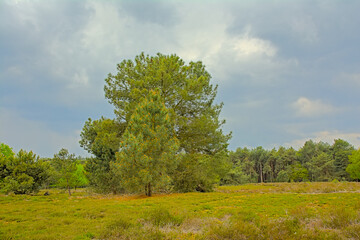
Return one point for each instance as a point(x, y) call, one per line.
point(252, 211)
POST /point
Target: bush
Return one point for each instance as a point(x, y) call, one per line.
point(161, 217)
point(117, 228)
point(199, 172)
point(283, 176)
point(23, 173)
point(299, 173)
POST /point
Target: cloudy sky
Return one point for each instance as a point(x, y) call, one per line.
point(287, 71)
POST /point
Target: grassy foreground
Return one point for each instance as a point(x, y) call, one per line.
point(252, 211)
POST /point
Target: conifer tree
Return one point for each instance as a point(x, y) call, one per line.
point(148, 147)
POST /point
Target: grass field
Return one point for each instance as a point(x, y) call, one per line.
point(252, 211)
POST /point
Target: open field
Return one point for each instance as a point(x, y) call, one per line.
point(252, 211)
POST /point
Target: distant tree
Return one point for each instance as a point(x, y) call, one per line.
point(341, 150)
point(354, 167)
point(65, 165)
point(270, 166)
point(148, 147)
point(22, 173)
point(284, 159)
point(307, 152)
point(283, 176)
point(241, 170)
point(79, 177)
point(51, 172)
point(6, 155)
point(248, 167)
point(259, 156)
point(298, 173)
point(322, 167)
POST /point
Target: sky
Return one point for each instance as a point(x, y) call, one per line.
point(287, 71)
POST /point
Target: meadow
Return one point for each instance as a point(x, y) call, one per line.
point(252, 211)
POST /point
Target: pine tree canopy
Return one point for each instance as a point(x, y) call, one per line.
point(148, 147)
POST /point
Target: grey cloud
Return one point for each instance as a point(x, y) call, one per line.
point(263, 55)
point(157, 12)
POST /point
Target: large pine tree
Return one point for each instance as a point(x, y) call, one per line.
point(148, 147)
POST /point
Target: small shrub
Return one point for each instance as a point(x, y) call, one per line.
point(339, 218)
point(286, 228)
point(117, 228)
point(161, 217)
point(235, 230)
point(85, 236)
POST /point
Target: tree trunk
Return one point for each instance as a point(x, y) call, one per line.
point(68, 186)
point(261, 173)
point(148, 190)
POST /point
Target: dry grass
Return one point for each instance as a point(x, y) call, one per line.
point(253, 211)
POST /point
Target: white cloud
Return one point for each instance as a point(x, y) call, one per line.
point(247, 45)
point(247, 55)
point(203, 34)
point(305, 107)
point(201, 31)
point(20, 133)
point(327, 136)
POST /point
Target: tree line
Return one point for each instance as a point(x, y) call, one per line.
point(25, 173)
point(167, 136)
point(312, 162)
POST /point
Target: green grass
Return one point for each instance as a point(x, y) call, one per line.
point(252, 211)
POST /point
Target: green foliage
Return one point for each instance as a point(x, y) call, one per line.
point(148, 147)
point(242, 169)
point(22, 173)
point(314, 161)
point(199, 172)
point(354, 167)
point(321, 167)
point(235, 176)
point(307, 152)
point(259, 156)
point(283, 176)
point(79, 177)
point(341, 151)
point(6, 155)
point(65, 165)
point(100, 176)
point(102, 139)
point(6, 151)
point(298, 173)
point(185, 90)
